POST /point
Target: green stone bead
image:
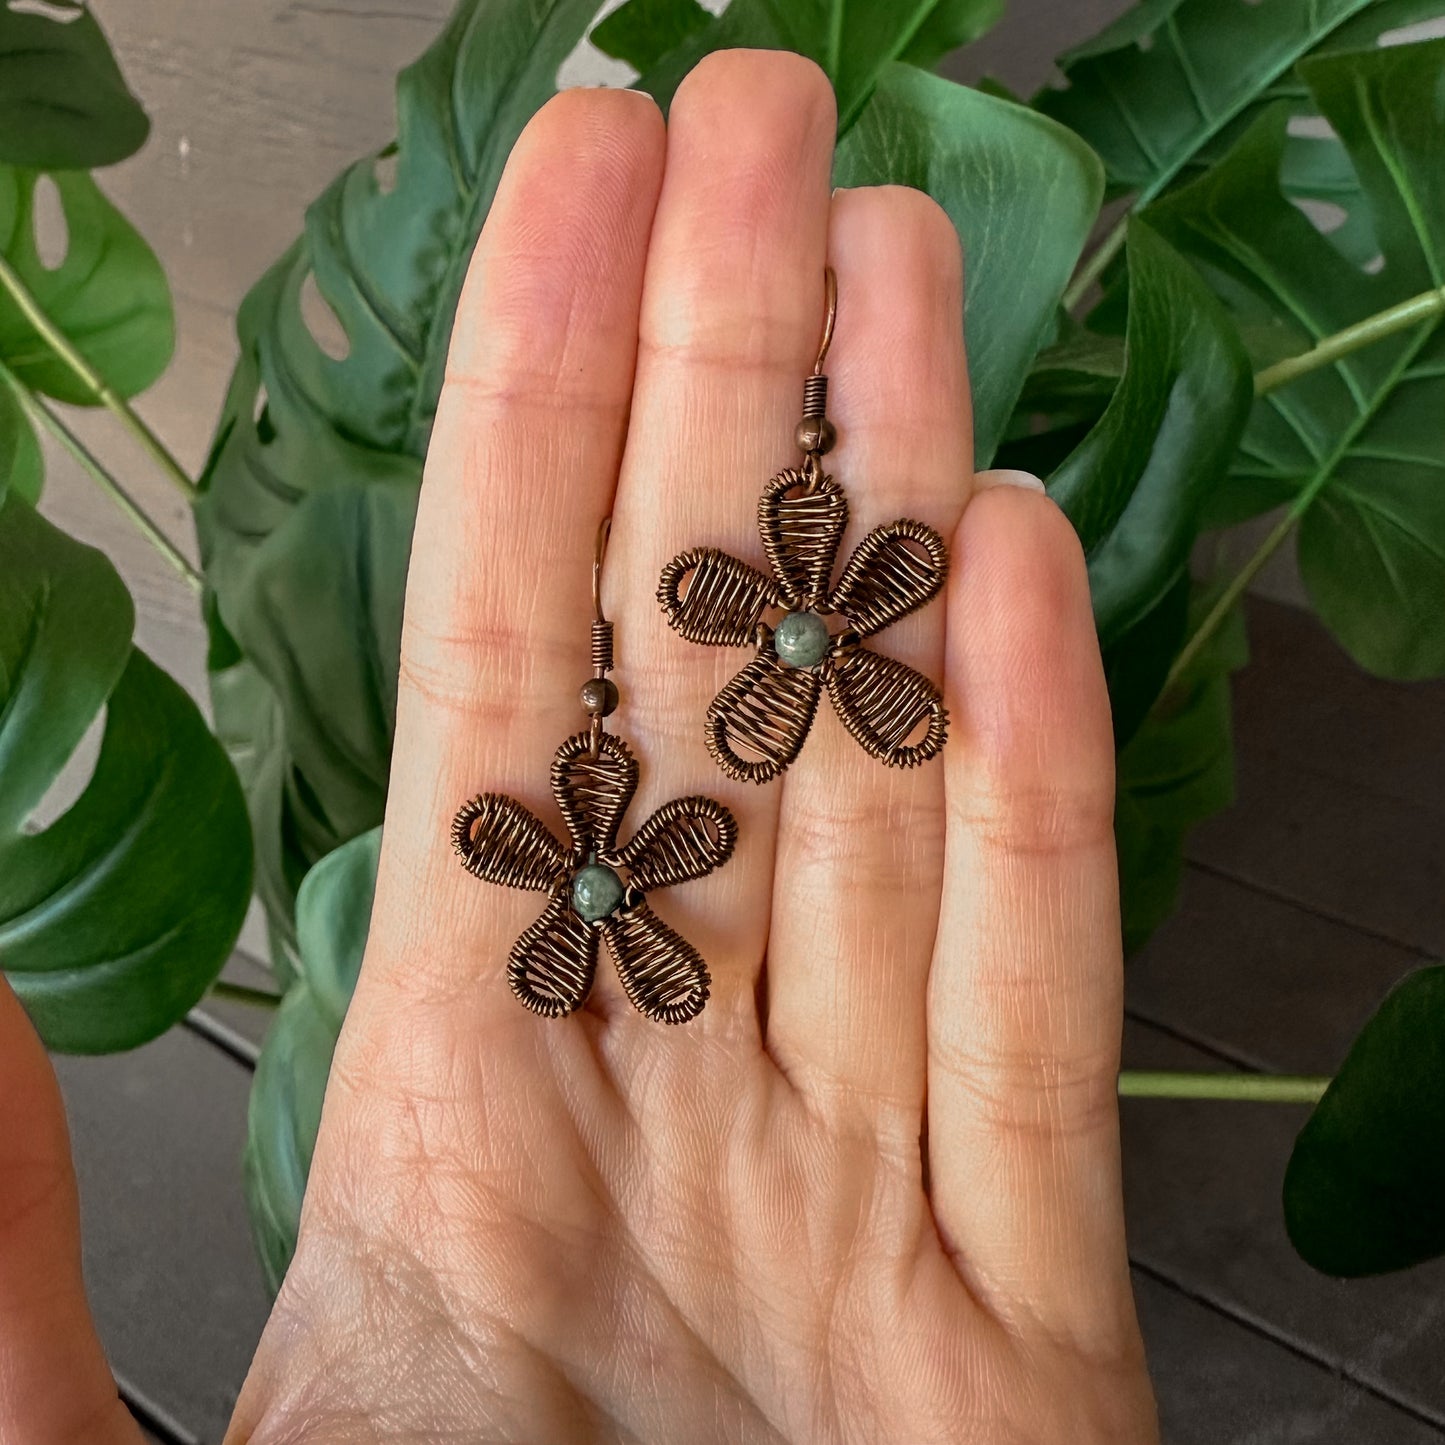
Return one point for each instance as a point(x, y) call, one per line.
point(596, 891)
point(801, 639)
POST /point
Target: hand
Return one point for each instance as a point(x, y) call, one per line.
point(601, 1228)
point(872, 1193)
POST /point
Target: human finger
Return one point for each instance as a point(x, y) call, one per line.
point(1025, 997)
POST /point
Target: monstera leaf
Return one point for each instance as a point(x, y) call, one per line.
point(1159, 93)
point(21, 469)
point(1135, 485)
point(333, 913)
point(1022, 193)
point(64, 105)
point(1353, 448)
point(1365, 1188)
point(108, 294)
point(642, 32)
point(117, 915)
point(853, 40)
point(1176, 768)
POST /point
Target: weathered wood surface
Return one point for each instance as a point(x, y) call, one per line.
point(1344, 775)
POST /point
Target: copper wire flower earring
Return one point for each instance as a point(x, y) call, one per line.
point(757, 724)
point(596, 887)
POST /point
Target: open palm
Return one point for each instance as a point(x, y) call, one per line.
point(871, 1193)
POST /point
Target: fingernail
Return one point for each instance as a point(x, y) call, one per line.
point(1005, 477)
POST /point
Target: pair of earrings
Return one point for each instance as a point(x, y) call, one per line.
point(755, 728)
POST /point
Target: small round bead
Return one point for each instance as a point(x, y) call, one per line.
point(596, 891)
point(801, 639)
point(815, 434)
point(599, 696)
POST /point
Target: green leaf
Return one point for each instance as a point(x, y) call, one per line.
point(318, 618)
point(1174, 772)
point(1365, 1189)
point(22, 467)
point(1136, 665)
point(64, 105)
point(1134, 487)
point(854, 41)
point(1170, 78)
point(108, 294)
point(333, 914)
point(1079, 369)
point(116, 917)
point(1022, 193)
point(282, 1122)
point(643, 31)
point(250, 728)
point(11, 420)
point(1353, 447)
point(948, 27)
point(27, 468)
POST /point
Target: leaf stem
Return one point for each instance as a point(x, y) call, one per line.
point(1254, 1088)
point(41, 414)
point(1227, 599)
point(240, 993)
point(1093, 268)
point(1424, 307)
point(106, 395)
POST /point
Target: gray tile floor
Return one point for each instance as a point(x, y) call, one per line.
point(1284, 943)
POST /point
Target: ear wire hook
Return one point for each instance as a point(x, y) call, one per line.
point(815, 434)
point(599, 556)
point(830, 295)
point(599, 692)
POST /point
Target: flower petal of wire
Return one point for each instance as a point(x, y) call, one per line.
point(801, 531)
point(883, 702)
point(711, 597)
point(684, 839)
point(893, 571)
point(593, 793)
point(500, 840)
point(662, 973)
point(553, 963)
point(756, 725)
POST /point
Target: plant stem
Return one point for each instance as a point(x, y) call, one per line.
point(1254, 1088)
point(1093, 268)
point(1226, 600)
point(106, 395)
point(239, 993)
point(1428, 306)
point(39, 413)
point(1425, 307)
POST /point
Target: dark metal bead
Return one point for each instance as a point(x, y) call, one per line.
point(815, 434)
point(599, 696)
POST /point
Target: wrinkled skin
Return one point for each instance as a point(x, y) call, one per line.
point(872, 1194)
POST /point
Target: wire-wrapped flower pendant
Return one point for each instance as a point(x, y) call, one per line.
point(757, 724)
point(598, 889)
